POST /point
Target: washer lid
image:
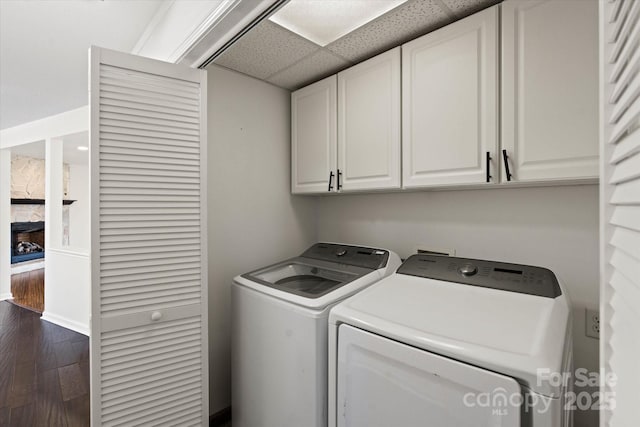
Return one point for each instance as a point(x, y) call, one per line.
point(507, 332)
point(321, 269)
point(305, 277)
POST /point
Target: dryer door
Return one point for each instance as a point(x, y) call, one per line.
point(384, 383)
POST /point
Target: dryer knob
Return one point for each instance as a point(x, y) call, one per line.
point(468, 270)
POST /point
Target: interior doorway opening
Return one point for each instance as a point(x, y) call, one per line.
point(28, 225)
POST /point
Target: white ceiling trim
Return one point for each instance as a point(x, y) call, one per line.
point(152, 27)
point(59, 125)
point(237, 20)
point(178, 25)
point(210, 22)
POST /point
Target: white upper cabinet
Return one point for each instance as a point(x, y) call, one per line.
point(313, 137)
point(550, 89)
point(449, 103)
point(369, 124)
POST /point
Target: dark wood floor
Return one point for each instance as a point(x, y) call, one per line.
point(28, 289)
point(44, 371)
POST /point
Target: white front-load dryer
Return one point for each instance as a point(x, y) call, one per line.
point(452, 342)
point(279, 331)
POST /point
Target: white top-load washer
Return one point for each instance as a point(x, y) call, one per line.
point(279, 331)
point(452, 342)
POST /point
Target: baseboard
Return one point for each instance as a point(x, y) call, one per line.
point(6, 296)
point(66, 323)
point(220, 418)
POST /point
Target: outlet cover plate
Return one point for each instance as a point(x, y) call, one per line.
point(592, 323)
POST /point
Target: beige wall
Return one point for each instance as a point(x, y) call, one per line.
point(253, 219)
point(553, 227)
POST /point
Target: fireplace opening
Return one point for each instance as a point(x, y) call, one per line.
point(27, 241)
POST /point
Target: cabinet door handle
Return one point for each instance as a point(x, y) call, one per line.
point(506, 164)
point(339, 176)
point(330, 180)
point(488, 166)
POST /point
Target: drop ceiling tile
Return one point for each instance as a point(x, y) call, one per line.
point(309, 70)
point(265, 50)
point(402, 24)
point(462, 8)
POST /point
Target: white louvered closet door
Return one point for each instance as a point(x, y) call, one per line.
point(620, 209)
point(149, 276)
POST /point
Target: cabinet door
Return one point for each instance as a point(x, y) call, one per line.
point(550, 89)
point(369, 124)
point(449, 103)
point(313, 137)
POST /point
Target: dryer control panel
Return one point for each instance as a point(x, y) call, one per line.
point(503, 276)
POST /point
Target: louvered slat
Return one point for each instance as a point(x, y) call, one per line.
point(627, 291)
point(620, 201)
point(627, 147)
point(626, 193)
point(620, 129)
point(146, 79)
point(148, 115)
point(616, 26)
point(136, 351)
point(613, 14)
point(626, 170)
point(626, 99)
point(627, 72)
point(107, 137)
point(625, 30)
point(149, 274)
point(626, 216)
point(627, 241)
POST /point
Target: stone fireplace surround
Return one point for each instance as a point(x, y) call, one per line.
point(28, 182)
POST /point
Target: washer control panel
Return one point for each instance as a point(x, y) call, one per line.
point(524, 279)
point(358, 256)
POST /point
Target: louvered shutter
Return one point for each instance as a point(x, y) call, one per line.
point(620, 210)
point(149, 295)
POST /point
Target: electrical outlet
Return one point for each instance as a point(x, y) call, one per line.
point(592, 322)
point(430, 250)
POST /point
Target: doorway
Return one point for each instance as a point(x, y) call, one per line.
point(27, 217)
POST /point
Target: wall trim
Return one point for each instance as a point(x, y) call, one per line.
point(66, 323)
point(79, 253)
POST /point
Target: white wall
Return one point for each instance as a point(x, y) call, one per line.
point(253, 219)
point(553, 227)
point(67, 280)
point(79, 213)
point(67, 296)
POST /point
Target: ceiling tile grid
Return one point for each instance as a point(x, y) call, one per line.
point(390, 30)
point(265, 50)
point(310, 69)
point(275, 54)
